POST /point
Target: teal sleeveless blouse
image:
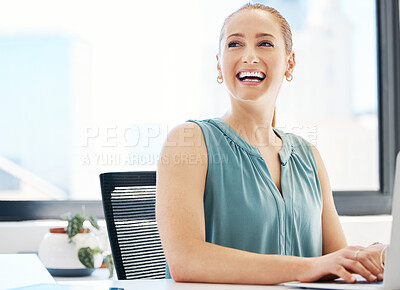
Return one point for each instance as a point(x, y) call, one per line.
point(244, 209)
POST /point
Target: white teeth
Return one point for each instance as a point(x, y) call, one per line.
point(252, 80)
point(251, 74)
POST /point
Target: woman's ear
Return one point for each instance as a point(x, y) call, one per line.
point(291, 64)
point(218, 65)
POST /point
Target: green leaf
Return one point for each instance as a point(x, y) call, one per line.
point(85, 255)
point(97, 250)
point(75, 225)
point(93, 221)
point(110, 265)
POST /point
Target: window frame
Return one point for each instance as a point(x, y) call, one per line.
point(380, 202)
point(347, 202)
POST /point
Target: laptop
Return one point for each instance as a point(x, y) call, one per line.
point(391, 277)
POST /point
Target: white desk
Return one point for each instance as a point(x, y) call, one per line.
point(99, 281)
point(98, 274)
point(23, 270)
point(166, 284)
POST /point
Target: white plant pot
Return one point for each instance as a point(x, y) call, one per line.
point(60, 256)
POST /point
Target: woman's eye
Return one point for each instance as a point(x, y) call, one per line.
point(266, 43)
point(233, 44)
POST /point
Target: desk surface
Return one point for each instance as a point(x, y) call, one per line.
point(98, 274)
point(165, 284)
point(24, 270)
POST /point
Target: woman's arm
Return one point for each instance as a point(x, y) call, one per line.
point(332, 233)
point(333, 238)
point(181, 179)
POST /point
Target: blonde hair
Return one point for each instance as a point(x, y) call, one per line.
point(285, 29)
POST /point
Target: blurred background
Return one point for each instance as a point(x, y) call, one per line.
point(94, 86)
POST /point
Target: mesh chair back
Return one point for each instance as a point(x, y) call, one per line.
point(129, 210)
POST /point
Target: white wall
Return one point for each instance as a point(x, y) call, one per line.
point(365, 230)
point(25, 236)
point(17, 237)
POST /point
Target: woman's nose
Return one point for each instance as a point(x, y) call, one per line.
point(250, 56)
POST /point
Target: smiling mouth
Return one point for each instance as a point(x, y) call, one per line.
point(252, 77)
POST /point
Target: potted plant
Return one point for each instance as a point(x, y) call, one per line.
point(74, 250)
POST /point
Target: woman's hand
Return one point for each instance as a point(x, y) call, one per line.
point(345, 262)
point(374, 252)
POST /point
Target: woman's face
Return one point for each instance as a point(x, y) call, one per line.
point(253, 59)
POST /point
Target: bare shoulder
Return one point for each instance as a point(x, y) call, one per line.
point(317, 156)
point(322, 172)
point(322, 175)
point(181, 178)
point(184, 153)
point(187, 134)
point(186, 138)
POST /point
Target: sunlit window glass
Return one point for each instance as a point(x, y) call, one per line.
point(94, 86)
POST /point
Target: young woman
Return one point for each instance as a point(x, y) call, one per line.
point(239, 201)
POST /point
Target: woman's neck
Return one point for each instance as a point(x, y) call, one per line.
point(254, 124)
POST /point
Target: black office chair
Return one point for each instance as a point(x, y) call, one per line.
point(129, 210)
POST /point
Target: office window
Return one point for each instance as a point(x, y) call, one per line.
point(332, 100)
point(90, 87)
